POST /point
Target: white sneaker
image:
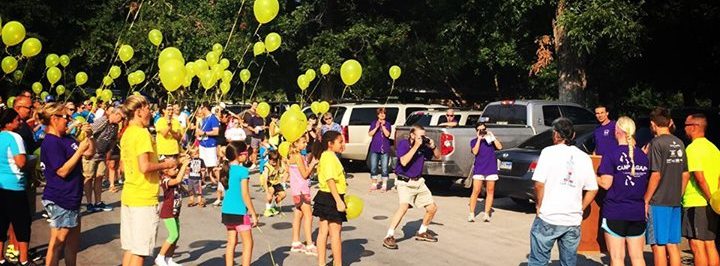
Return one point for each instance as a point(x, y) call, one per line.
point(486, 217)
point(160, 261)
point(471, 218)
point(170, 262)
point(217, 203)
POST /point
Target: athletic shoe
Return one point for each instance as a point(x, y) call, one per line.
point(471, 218)
point(373, 186)
point(170, 262)
point(160, 261)
point(45, 214)
point(298, 248)
point(27, 263)
point(269, 212)
point(486, 217)
point(425, 237)
point(389, 242)
point(311, 250)
point(91, 208)
point(383, 188)
point(217, 203)
point(275, 210)
point(102, 207)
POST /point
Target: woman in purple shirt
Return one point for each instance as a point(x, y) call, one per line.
point(60, 157)
point(624, 174)
point(379, 148)
point(484, 169)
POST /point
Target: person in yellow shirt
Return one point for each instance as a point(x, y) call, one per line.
point(700, 222)
point(138, 214)
point(330, 199)
point(169, 133)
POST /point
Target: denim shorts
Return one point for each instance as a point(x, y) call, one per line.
point(61, 218)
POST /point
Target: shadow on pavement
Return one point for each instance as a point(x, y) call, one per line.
point(99, 235)
point(410, 229)
point(279, 254)
point(354, 250)
point(581, 260)
point(509, 205)
point(198, 248)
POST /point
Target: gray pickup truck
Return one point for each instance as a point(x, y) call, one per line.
point(512, 122)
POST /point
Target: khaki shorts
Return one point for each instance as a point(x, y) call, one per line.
point(138, 229)
point(414, 192)
point(93, 168)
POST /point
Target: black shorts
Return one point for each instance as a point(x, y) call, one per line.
point(276, 188)
point(699, 223)
point(325, 207)
point(623, 229)
point(15, 210)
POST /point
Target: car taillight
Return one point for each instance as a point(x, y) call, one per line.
point(532, 167)
point(507, 102)
point(447, 145)
point(346, 133)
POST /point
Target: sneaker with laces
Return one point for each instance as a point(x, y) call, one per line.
point(269, 212)
point(217, 203)
point(27, 263)
point(389, 242)
point(383, 188)
point(160, 261)
point(311, 250)
point(90, 208)
point(100, 206)
point(170, 262)
point(471, 218)
point(297, 248)
point(486, 217)
point(275, 210)
point(425, 236)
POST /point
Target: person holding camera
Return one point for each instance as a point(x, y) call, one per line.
point(484, 169)
point(412, 153)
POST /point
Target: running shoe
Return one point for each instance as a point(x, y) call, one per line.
point(486, 217)
point(217, 203)
point(311, 250)
point(170, 262)
point(90, 208)
point(160, 261)
point(100, 206)
point(425, 237)
point(389, 242)
point(269, 212)
point(471, 218)
point(298, 248)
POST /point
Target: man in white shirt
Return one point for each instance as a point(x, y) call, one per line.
point(563, 172)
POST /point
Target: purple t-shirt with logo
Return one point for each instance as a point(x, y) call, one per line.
point(625, 198)
point(65, 192)
point(485, 162)
point(415, 166)
point(380, 143)
point(605, 138)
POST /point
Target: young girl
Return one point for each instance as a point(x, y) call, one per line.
point(300, 189)
point(237, 203)
point(170, 211)
point(275, 176)
point(329, 201)
point(484, 169)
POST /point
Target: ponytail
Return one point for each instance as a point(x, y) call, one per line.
point(329, 137)
point(627, 125)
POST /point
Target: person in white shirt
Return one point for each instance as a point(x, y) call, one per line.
point(563, 172)
point(100, 112)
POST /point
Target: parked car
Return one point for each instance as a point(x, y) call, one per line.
point(511, 121)
point(434, 118)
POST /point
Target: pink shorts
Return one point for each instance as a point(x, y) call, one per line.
point(298, 200)
point(243, 226)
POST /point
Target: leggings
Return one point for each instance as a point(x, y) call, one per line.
point(173, 227)
point(15, 210)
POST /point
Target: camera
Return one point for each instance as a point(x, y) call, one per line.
point(425, 141)
point(482, 132)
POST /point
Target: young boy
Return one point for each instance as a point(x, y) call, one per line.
point(275, 177)
point(196, 175)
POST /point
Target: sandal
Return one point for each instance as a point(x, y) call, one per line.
point(191, 205)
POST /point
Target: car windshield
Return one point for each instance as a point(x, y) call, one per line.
point(512, 114)
point(419, 118)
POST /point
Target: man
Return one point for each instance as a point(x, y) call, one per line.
point(699, 223)
point(666, 186)
point(605, 133)
point(253, 128)
point(105, 135)
point(412, 153)
point(23, 106)
point(100, 112)
point(563, 172)
point(449, 120)
point(206, 132)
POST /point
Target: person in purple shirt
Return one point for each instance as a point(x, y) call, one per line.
point(624, 174)
point(61, 163)
point(412, 153)
point(484, 169)
point(605, 133)
point(379, 148)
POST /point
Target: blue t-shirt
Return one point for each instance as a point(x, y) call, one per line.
point(625, 198)
point(208, 124)
point(65, 192)
point(233, 202)
point(11, 178)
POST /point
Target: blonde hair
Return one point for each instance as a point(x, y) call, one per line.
point(293, 149)
point(49, 110)
point(132, 104)
point(627, 125)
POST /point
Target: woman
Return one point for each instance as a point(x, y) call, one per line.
point(379, 150)
point(624, 174)
point(14, 204)
point(138, 214)
point(61, 156)
point(484, 169)
point(168, 133)
point(329, 125)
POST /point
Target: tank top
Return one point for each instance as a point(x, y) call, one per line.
point(298, 185)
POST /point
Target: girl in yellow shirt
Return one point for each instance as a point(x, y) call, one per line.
point(329, 201)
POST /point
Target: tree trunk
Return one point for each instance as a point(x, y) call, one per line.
point(572, 79)
point(327, 87)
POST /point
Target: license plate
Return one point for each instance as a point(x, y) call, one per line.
point(505, 165)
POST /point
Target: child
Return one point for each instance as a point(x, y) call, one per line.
point(263, 152)
point(329, 201)
point(237, 203)
point(300, 188)
point(195, 180)
point(274, 176)
point(170, 211)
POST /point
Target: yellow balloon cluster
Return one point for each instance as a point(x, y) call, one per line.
point(136, 77)
point(172, 68)
point(293, 124)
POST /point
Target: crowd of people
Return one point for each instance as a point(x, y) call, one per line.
point(653, 194)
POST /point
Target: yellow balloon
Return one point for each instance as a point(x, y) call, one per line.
point(227, 76)
point(315, 107)
point(310, 74)
point(18, 75)
point(303, 82)
point(107, 80)
point(52, 60)
point(218, 48)
point(293, 124)
point(31, 47)
point(225, 63)
point(188, 81)
point(80, 78)
point(53, 75)
point(284, 149)
point(353, 206)
point(37, 87)
point(131, 78)
point(265, 10)
point(140, 76)
point(93, 99)
point(64, 60)
point(155, 37)
point(200, 66)
point(212, 58)
point(244, 75)
point(350, 72)
point(272, 42)
point(206, 79)
point(106, 95)
point(172, 75)
point(324, 107)
point(715, 201)
point(224, 87)
point(14, 32)
point(60, 89)
point(126, 53)
point(170, 53)
point(115, 72)
point(190, 69)
point(258, 48)
point(44, 95)
point(9, 64)
point(325, 69)
point(217, 72)
point(98, 92)
point(295, 107)
point(395, 72)
point(263, 109)
point(11, 101)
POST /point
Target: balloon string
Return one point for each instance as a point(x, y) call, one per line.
point(270, 249)
point(247, 48)
point(391, 90)
point(114, 56)
point(232, 30)
point(258, 79)
point(313, 90)
point(342, 96)
point(24, 69)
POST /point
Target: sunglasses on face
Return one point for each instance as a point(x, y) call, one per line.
point(66, 117)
